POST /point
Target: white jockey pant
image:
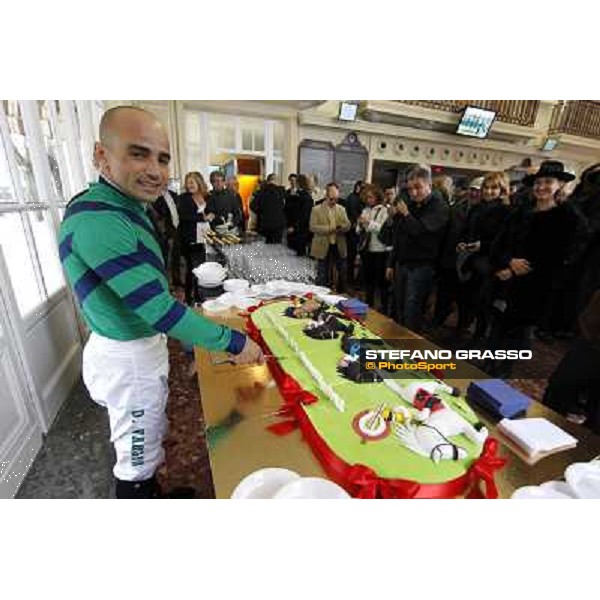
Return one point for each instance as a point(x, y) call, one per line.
point(131, 380)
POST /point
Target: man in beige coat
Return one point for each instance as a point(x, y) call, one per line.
point(329, 224)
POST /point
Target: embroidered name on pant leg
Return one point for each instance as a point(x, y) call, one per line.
point(137, 441)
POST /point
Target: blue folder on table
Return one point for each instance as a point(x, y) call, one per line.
point(499, 398)
point(353, 307)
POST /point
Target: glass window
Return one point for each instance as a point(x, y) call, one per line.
point(6, 188)
point(193, 156)
point(192, 127)
point(66, 159)
point(222, 133)
point(83, 151)
point(227, 137)
point(21, 151)
point(19, 263)
point(259, 138)
point(253, 135)
point(247, 141)
point(50, 265)
point(278, 136)
point(69, 166)
point(52, 147)
point(278, 168)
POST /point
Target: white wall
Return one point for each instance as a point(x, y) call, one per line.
point(53, 348)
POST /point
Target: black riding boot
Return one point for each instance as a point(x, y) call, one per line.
point(137, 490)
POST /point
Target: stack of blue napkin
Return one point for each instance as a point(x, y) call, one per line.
point(354, 308)
point(498, 397)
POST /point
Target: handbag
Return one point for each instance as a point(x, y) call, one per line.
point(364, 237)
point(386, 233)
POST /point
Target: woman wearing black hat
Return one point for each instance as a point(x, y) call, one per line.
point(534, 244)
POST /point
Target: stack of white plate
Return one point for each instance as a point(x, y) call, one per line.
point(551, 490)
point(311, 488)
point(582, 480)
point(210, 274)
point(229, 300)
point(215, 305)
point(283, 484)
point(236, 286)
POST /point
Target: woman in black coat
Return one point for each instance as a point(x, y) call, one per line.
point(481, 228)
point(534, 244)
point(297, 214)
point(269, 207)
point(192, 224)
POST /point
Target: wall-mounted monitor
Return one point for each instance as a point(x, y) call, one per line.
point(549, 144)
point(348, 111)
point(476, 122)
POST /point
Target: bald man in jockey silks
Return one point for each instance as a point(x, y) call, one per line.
point(114, 264)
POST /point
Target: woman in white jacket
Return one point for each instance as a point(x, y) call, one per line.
point(374, 253)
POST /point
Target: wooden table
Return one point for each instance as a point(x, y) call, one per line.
point(237, 411)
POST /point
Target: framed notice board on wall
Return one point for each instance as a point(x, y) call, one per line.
point(351, 159)
point(317, 160)
point(345, 163)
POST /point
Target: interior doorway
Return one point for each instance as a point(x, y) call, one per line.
point(393, 174)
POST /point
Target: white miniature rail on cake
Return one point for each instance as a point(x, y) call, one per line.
point(336, 400)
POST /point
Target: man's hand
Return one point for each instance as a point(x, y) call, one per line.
point(251, 354)
point(402, 208)
point(504, 274)
point(460, 247)
point(520, 266)
point(290, 230)
point(210, 217)
point(389, 274)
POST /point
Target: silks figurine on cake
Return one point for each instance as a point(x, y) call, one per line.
point(428, 435)
point(326, 327)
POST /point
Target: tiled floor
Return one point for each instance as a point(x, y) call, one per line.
point(76, 459)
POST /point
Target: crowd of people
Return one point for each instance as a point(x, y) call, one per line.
point(490, 265)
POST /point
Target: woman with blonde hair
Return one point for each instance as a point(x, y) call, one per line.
point(374, 253)
point(534, 246)
point(475, 271)
point(193, 226)
point(445, 186)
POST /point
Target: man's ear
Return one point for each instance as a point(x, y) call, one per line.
point(99, 156)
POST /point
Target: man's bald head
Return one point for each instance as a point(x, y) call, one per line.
point(133, 152)
point(121, 116)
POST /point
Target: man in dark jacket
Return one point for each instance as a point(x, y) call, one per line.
point(416, 248)
point(293, 181)
point(298, 207)
point(269, 207)
point(586, 199)
point(572, 387)
point(354, 208)
point(167, 210)
point(222, 203)
point(233, 185)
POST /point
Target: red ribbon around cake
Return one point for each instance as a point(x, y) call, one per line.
point(359, 480)
point(368, 485)
point(482, 471)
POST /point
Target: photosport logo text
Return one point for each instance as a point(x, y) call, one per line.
point(376, 355)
